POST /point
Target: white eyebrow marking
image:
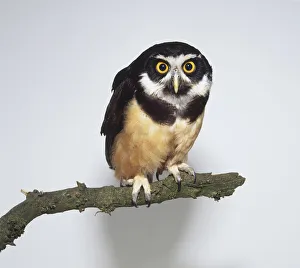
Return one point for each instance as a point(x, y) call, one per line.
point(179, 59)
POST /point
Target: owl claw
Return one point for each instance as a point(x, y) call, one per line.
point(179, 186)
point(133, 203)
point(150, 177)
point(178, 180)
point(148, 199)
point(158, 173)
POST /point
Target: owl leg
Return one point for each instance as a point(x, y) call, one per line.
point(138, 182)
point(187, 169)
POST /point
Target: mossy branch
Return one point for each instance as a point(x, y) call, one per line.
point(108, 198)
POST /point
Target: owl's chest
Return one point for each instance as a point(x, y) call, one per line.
point(142, 127)
point(144, 145)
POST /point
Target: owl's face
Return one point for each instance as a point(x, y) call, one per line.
point(176, 73)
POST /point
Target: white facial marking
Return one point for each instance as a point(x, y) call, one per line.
point(202, 88)
point(156, 88)
point(150, 87)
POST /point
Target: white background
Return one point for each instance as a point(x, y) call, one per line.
point(57, 63)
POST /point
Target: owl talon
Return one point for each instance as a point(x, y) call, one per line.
point(150, 177)
point(158, 173)
point(179, 186)
point(133, 203)
point(148, 199)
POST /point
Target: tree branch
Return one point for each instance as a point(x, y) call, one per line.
point(108, 198)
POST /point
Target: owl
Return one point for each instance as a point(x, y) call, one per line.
point(155, 114)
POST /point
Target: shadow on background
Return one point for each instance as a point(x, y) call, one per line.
point(147, 237)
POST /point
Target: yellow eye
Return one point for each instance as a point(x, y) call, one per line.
point(189, 67)
point(162, 67)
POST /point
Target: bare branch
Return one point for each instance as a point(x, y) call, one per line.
point(108, 198)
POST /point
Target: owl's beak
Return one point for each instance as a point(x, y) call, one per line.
point(176, 82)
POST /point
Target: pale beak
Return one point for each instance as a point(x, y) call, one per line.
point(176, 82)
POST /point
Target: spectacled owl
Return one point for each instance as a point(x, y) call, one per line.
point(155, 114)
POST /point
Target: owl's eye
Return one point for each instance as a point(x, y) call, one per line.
point(189, 67)
point(162, 67)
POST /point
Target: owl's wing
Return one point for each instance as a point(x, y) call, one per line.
point(123, 91)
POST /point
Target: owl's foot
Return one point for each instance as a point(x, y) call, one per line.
point(187, 169)
point(174, 170)
point(138, 182)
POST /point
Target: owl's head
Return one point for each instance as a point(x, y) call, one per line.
point(173, 71)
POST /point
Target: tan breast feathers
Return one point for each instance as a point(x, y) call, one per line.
point(142, 145)
point(184, 136)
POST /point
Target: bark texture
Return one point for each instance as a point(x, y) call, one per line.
point(108, 198)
